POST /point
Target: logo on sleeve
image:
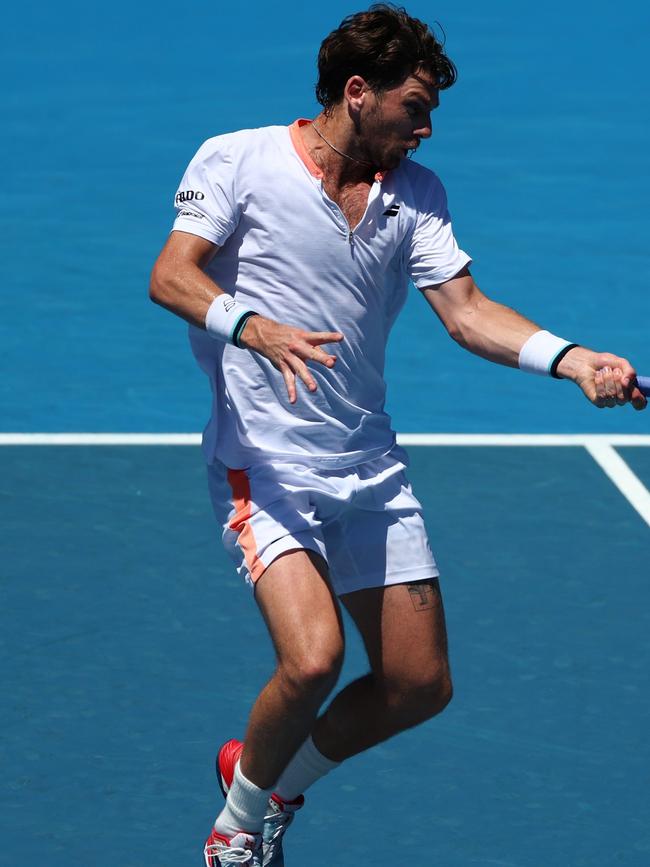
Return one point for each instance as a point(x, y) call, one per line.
point(392, 211)
point(189, 196)
point(195, 214)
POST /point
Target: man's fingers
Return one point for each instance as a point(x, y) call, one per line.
point(300, 368)
point(600, 389)
point(315, 339)
point(308, 347)
point(318, 337)
point(289, 381)
point(616, 387)
point(315, 353)
point(621, 395)
point(627, 380)
point(289, 349)
point(639, 400)
point(613, 388)
point(604, 388)
point(290, 369)
point(616, 363)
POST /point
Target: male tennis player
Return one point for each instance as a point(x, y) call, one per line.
point(290, 258)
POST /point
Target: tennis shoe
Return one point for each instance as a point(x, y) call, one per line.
point(279, 815)
point(244, 849)
point(278, 818)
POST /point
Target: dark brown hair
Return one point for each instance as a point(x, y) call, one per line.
point(384, 46)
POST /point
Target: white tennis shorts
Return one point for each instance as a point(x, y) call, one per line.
point(364, 520)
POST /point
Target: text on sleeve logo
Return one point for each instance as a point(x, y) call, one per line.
point(189, 196)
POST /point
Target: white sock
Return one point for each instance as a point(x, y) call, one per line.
point(307, 766)
point(245, 808)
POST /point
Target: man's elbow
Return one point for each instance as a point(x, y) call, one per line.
point(459, 331)
point(158, 284)
point(467, 322)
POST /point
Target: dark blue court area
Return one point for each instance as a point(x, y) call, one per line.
point(129, 651)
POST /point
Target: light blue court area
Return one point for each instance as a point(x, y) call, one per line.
point(129, 650)
point(542, 145)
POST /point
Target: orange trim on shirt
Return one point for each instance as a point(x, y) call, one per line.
point(301, 150)
point(303, 153)
point(240, 522)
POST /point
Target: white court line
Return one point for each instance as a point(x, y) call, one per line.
point(425, 439)
point(613, 465)
point(599, 446)
point(429, 439)
point(99, 439)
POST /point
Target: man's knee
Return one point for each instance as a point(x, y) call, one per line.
point(312, 672)
point(417, 698)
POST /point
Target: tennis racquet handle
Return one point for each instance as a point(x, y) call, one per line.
point(644, 384)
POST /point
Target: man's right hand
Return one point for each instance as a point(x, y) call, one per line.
point(288, 348)
point(179, 283)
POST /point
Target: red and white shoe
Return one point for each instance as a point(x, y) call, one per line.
point(280, 813)
point(244, 849)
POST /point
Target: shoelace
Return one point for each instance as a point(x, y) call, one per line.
point(281, 820)
point(234, 855)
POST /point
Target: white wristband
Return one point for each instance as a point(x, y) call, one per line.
point(542, 353)
point(226, 318)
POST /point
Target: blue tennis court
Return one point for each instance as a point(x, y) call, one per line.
point(130, 649)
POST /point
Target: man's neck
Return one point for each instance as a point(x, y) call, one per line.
point(336, 153)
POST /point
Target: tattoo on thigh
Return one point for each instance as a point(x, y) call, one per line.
point(422, 595)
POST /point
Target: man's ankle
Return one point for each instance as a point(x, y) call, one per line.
point(246, 806)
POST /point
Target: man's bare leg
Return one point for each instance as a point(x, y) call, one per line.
point(404, 632)
point(403, 628)
point(304, 621)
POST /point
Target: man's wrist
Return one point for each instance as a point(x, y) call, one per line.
point(543, 354)
point(249, 331)
point(241, 325)
point(226, 319)
point(573, 361)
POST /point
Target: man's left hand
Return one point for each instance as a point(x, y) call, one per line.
point(606, 380)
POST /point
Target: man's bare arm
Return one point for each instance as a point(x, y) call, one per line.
point(179, 283)
point(497, 332)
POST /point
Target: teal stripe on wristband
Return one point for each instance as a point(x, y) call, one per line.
point(239, 327)
point(552, 368)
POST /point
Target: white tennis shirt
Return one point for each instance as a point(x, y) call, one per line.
point(288, 253)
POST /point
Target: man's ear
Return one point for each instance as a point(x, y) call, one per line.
point(355, 91)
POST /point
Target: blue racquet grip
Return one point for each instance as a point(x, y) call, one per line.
point(644, 384)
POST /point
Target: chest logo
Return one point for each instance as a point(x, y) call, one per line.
point(392, 211)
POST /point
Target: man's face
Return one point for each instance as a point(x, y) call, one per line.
point(393, 122)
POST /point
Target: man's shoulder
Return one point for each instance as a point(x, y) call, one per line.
point(419, 184)
point(417, 175)
point(244, 140)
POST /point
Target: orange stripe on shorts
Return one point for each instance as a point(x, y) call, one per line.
point(240, 522)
